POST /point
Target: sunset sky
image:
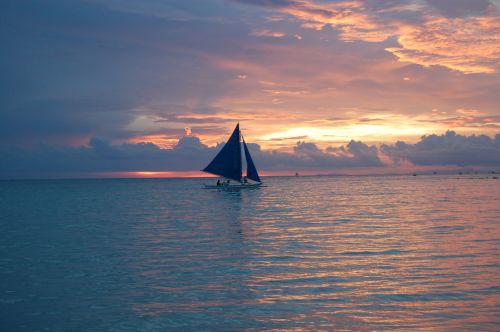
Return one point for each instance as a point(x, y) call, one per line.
point(148, 88)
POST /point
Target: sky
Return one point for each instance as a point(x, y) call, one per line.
point(154, 88)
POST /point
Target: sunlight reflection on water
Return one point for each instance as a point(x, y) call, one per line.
point(311, 253)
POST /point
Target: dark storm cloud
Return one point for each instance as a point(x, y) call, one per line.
point(448, 149)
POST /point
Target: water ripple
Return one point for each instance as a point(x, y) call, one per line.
point(312, 253)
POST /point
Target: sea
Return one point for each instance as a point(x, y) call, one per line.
point(325, 253)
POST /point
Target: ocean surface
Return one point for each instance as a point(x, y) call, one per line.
point(325, 253)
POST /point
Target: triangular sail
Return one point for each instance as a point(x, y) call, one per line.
point(227, 162)
point(251, 170)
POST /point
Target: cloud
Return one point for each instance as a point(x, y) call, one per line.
point(469, 45)
point(461, 35)
point(73, 71)
point(461, 8)
point(102, 156)
point(189, 154)
point(309, 155)
point(470, 120)
point(448, 149)
point(133, 71)
point(269, 3)
point(55, 120)
point(351, 18)
point(266, 33)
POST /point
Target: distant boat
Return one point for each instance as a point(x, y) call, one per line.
point(228, 164)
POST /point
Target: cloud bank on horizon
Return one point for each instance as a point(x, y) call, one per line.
point(357, 82)
point(190, 154)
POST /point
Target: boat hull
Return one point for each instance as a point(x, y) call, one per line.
point(233, 186)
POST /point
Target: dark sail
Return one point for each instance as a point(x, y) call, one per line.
point(227, 162)
point(251, 170)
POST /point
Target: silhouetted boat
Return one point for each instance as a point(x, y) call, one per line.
point(228, 164)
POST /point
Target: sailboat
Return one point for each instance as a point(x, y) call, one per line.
point(228, 164)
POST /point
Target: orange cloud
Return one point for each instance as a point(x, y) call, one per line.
point(267, 33)
point(163, 141)
point(349, 17)
point(469, 45)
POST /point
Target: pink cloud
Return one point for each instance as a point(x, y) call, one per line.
point(469, 44)
point(266, 33)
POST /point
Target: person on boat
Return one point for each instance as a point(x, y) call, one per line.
point(245, 180)
point(218, 183)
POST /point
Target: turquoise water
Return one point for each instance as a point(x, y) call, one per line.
point(308, 253)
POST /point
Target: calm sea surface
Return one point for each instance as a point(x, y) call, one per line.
point(309, 253)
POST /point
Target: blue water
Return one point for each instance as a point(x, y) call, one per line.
point(308, 253)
